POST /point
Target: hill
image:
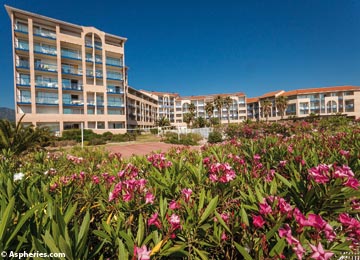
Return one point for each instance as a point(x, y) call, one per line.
point(7, 113)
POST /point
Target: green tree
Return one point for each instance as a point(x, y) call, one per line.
point(200, 122)
point(227, 103)
point(163, 121)
point(209, 108)
point(19, 138)
point(281, 105)
point(218, 103)
point(188, 118)
point(266, 108)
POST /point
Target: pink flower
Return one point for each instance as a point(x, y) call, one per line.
point(174, 221)
point(258, 221)
point(352, 183)
point(265, 208)
point(96, 179)
point(257, 157)
point(127, 196)
point(286, 232)
point(299, 251)
point(320, 173)
point(174, 205)
point(223, 236)
point(319, 253)
point(187, 193)
point(149, 198)
point(225, 216)
point(142, 253)
point(316, 221)
point(154, 220)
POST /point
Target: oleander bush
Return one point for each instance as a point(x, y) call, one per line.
point(262, 195)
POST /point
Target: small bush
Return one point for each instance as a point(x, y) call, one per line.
point(107, 136)
point(215, 137)
point(154, 131)
point(185, 139)
point(97, 141)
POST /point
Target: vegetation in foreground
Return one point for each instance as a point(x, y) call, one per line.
point(287, 191)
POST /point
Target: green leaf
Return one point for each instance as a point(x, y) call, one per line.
point(201, 253)
point(272, 231)
point(244, 217)
point(243, 251)
point(82, 237)
point(70, 213)
point(278, 248)
point(222, 222)
point(201, 200)
point(141, 228)
point(209, 209)
point(283, 180)
point(123, 254)
point(6, 218)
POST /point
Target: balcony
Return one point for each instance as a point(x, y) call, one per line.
point(98, 45)
point(98, 59)
point(71, 71)
point(114, 90)
point(45, 67)
point(23, 64)
point(44, 33)
point(99, 103)
point(51, 101)
point(99, 73)
point(22, 46)
point(45, 50)
point(23, 28)
point(89, 73)
point(23, 82)
point(114, 62)
point(114, 76)
point(24, 100)
point(70, 54)
point(46, 84)
point(115, 104)
point(88, 44)
point(76, 87)
point(73, 102)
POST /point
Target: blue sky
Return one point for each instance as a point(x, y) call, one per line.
point(204, 47)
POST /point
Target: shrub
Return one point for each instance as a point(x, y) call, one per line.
point(154, 131)
point(107, 136)
point(215, 137)
point(185, 139)
point(75, 134)
point(96, 141)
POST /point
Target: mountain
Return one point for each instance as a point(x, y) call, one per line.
point(7, 113)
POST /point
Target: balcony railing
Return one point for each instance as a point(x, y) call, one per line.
point(99, 103)
point(114, 62)
point(23, 82)
point(115, 104)
point(113, 90)
point(24, 99)
point(46, 84)
point(24, 46)
point(99, 73)
point(89, 73)
point(72, 86)
point(45, 50)
point(44, 33)
point(24, 64)
point(88, 43)
point(114, 76)
point(47, 100)
point(45, 67)
point(73, 102)
point(71, 70)
point(98, 45)
point(21, 28)
point(70, 54)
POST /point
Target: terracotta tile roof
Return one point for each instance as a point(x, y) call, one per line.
point(158, 93)
point(238, 94)
point(252, 100)
point(272, 94)
point(320, 90)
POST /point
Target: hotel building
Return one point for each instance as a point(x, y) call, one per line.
point(66, 75)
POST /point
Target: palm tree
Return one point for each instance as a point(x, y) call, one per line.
point(19, 138)
point(209, 108)
point(266, 106)
point(281, 105)
point(163, 121)
point(192, 110)
point(218, 102)
point(227, 102)
point(188, 118)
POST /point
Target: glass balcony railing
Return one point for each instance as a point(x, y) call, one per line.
point(73, 102)
point(99, 73)
point(71, 54)
point(23, 81)
point(24, 99)
point(98, 59)
point(47, 100)
point(114, 62)
point(115, 104)
point(114, 90)
point(46, 84)
point(24, 46)
point(21, 28)
point(89, 58)
point(98, 45)
point(114, 75)
point(100, 103)
point(89, 73)
point(88, 43)
point(44, 33)
point(45, 67)
point(24, 64)
point(48, 50)
point(72, 86)
point(71, 70)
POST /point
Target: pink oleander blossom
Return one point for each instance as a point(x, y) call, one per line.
point(265, 208)
point(154, 220)
point(159, 161)
point(187, 193)
point(319, 253)
point(174, 205)
point(352, 183)
point(95, 179)
point(320, 173)
point(149, 198)
point(299, 251)
point(142, 253)
point(174, 221)
point(258, 221)
point(221, 172)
